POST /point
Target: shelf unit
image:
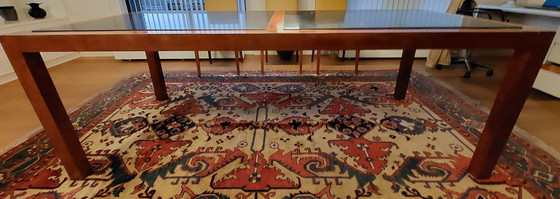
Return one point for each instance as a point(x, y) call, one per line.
point(548, 79)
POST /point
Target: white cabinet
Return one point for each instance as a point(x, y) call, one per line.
point(554, 53)
point(51, 58)
point(548, 81)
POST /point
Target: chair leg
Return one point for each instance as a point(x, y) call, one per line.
point(237, 63)
point(297, 56)
point(469, 65)
point(357, 62)
point(343, 55)
point(318, 61)
point(262, 62)
point(266, 56)
point(197, 60)
point(300, 55)
point(210, 57)
point(312, 55)
point(241, 56)
point(489, 71)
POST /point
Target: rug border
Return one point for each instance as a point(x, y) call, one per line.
point(524, 134)
point(465, 99)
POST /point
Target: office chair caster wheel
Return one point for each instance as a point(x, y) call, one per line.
point(439, 67)
point(467, 75)
point(490, 73)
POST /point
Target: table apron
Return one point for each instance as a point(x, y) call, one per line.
point(278, 41)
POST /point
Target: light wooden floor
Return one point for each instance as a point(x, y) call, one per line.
point(83, 78)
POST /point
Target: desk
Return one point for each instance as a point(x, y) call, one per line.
point(393, 31)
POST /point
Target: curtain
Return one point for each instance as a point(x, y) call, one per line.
point(443, 56)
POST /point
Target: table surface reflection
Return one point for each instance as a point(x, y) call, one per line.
point(293, 20)
point(173, 21)
point(372, 19)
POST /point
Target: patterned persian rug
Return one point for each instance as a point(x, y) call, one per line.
point(281, 136)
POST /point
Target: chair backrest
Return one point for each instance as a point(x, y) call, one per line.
point(331, 4)
point(289, 5)
point(221, 5)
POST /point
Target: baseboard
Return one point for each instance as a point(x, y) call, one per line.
point(62, 59)
point(97, 54)
point(7, 78)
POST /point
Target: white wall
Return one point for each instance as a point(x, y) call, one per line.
point(83, 10)
point(306, 5)
point(256, 5)
point(5, 3)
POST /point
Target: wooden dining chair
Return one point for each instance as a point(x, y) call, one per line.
point(332, 5)
point(220, 5)
point(278, 5)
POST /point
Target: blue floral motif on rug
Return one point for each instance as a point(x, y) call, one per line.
point(280, 136)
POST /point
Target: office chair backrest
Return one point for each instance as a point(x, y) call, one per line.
point(289, 5)
point(466, 8)
point(331, 4)
point(221, 5)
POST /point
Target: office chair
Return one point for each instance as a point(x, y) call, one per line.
point(467, 10)
point(220, 5)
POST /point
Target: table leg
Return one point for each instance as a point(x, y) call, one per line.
point(404, 73)
point(515, 88)
point(37, 83)
point(154, 63)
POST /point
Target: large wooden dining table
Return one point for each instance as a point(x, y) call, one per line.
point(252, 30)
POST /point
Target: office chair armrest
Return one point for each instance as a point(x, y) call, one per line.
point(471, 13)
